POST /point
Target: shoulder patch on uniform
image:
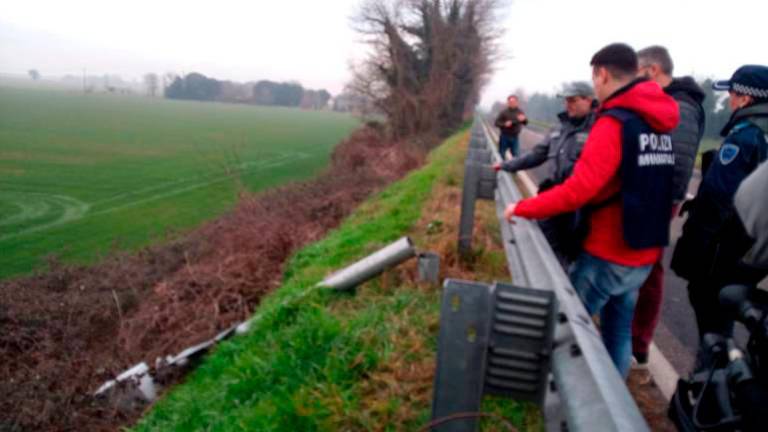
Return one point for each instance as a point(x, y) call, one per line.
point(728, 153)
point(581, 137)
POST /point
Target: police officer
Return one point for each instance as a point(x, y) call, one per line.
point(562, 148)
point(714, 240)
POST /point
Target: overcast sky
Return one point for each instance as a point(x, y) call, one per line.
point(547, 41)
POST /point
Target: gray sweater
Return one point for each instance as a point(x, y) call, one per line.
point(751, 203)
point(686, 137)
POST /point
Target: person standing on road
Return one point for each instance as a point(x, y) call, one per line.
point(561, 147)
point(624, 180)
point(510, 122)
point(656, 64)
point(710, 250)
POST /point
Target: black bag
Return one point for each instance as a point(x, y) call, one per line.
point(546, 184)
point(565, 232)
point(695, 253)
point(714, 399)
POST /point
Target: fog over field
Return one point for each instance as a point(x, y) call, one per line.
point(546, 43)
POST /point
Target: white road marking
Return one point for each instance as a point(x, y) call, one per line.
point(664, 375)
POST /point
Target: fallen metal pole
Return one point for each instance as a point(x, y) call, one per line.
point(371, 265)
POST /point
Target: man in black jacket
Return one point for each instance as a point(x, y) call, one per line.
point(510, 122)
point(562, 148)
point(655, 63)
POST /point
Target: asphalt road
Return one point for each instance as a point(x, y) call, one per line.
point(676, 335)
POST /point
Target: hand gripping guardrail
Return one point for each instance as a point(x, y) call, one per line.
point(532, 340)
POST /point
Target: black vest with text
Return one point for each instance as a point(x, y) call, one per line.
point(647, 170)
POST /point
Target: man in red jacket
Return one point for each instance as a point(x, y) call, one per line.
point(623, 185)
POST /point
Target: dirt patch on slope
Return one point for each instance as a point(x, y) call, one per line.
point(67, 330)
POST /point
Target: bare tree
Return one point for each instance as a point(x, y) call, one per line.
point(151, 81)
point(168, 79)
point(34, 74)
point(428, 60)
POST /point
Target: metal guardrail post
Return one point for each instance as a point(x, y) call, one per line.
point(479, 183)
point(468, 198)
point(494, 339)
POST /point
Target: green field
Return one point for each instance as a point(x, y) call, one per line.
point(81, 174)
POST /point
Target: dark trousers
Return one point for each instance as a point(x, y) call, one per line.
point(511, 143)
point(704, 295)
point(558, 231)
point(647, 311)
point(648, 308)
point(710, 317)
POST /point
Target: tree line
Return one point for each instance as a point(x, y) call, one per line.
point(196, 86)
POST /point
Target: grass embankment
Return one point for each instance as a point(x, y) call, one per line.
point(81, 173)
point(318, 360)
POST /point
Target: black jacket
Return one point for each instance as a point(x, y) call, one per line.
point(714, 239)
point(562, 146)
point(686, 137)
point(510, 115)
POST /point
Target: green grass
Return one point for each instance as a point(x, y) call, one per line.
point(308, 361)
point(81, 173)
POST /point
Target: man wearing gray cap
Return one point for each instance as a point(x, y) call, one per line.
point(562, 146)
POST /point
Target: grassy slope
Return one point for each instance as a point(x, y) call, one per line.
point(142, 166)
point(341, 362)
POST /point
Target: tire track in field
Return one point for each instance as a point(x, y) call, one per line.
point(38, 205)
point(74, 209)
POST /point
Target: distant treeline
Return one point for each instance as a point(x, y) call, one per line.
point(196, 86)
point(545, 107)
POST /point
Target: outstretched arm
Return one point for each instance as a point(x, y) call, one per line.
point(597, 166)
point(534, 158)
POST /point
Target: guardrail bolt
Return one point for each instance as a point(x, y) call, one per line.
point(562, 318)
point(575, 350)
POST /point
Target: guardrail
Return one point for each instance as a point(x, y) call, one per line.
point(584, 390)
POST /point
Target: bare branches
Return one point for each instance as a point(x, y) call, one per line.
point(429, 60)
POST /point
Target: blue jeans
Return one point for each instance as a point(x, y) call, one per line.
point(511, 143)
point(611, 290)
